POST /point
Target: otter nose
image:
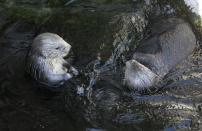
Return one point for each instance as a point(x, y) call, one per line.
point(64, 48)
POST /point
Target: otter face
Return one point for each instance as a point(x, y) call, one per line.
point(139, 77)
point(50, 45)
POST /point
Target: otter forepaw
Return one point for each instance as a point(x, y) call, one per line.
point(67, 76)
point(74, 71)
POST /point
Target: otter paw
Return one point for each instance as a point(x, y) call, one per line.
point(64, 69)
point(67, 76)
point(74, 71)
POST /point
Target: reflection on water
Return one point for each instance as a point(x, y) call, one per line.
point(103, 36)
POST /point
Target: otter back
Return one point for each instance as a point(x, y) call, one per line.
point(171, 42)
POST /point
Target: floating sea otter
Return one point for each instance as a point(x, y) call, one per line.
point(45, 60)
point(172, 41)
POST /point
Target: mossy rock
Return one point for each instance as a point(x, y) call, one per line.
point(28, 13)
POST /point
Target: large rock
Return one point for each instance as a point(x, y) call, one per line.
point(172, 41)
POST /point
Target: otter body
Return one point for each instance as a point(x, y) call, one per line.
point(171, 42)
point(45, 60)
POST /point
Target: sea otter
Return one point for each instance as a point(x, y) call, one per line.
point(45, 60)
point(172, 41)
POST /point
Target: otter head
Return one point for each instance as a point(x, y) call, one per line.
point(139, 77)
point(50, 45)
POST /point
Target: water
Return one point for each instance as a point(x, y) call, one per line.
point(103, 35)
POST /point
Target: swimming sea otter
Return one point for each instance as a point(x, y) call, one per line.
point(45, 60)
point(172, 41)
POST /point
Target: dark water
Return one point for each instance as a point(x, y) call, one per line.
point(103, 35)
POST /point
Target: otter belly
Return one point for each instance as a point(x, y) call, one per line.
point(155, 57)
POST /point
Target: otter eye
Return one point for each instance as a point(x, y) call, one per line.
point(57, 48)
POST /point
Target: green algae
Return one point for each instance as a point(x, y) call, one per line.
point(27, 13)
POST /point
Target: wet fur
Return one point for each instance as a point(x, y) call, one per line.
point(172, 41)
point(45, 61)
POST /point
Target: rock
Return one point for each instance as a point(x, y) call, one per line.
point(171, 42)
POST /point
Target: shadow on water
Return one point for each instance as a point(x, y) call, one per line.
point(103, 37)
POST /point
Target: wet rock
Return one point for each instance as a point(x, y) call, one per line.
point(171, 42)
point(19, 33)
